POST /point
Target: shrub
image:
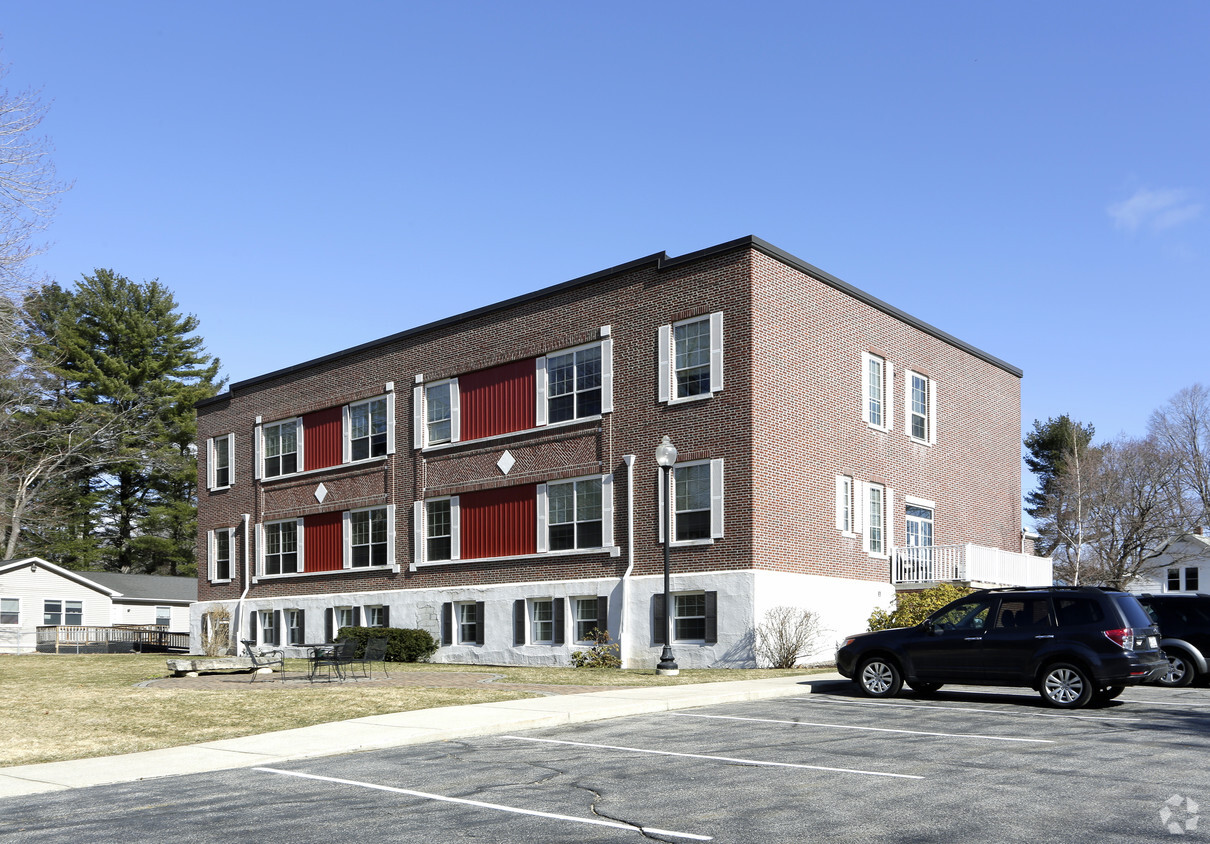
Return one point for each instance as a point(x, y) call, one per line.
point(403, 644)
point(601, 655)
point(786, 634)
point(216, 632)
point(911, 608)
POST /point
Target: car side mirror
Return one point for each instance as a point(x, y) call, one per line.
point(928, 626)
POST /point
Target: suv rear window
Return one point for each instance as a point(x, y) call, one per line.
point(1073, 610)
point(1136, 616)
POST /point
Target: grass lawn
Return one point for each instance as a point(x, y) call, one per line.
point(70, 707)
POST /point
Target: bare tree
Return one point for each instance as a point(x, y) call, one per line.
point(786, 635)
point(1182, 427)
point(1062, 514)
point(1134, 509)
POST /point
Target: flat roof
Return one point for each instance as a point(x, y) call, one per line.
point(660, 261)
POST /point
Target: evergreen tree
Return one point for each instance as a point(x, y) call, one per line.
point(1047, 446)
point(122, 348)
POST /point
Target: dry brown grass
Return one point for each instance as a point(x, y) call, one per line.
point(70, 707)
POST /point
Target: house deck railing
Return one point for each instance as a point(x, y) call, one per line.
point(68, 638)
point(968, 563)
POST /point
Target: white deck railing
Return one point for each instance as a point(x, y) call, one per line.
point(969, 564)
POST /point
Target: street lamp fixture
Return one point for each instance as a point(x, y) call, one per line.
point(665, 456)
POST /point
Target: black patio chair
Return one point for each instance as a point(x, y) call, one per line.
point(264, 658)
point(339, 656)
point(376, 651)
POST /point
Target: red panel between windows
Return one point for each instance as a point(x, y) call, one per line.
point(499, 522)
point(323, 541)
point(321, 439)
point(497, 400)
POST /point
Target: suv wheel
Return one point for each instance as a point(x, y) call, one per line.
point(879, 677)
point(1180, 670)
point(1066, 686)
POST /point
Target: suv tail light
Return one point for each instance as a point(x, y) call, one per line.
point(1122, 637)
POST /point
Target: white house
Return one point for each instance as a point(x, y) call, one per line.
point(1183, 566)
point(35, 593)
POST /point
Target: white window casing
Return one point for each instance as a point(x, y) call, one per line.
point(211, 555)
point(418, 421)
point(540, 386)
point(607, 375)
point(258, 447)
point(391, 537)
point(418, 520)
point(455, 528)
point(302, 552)
point(607, 511)
point(346, 539)
point(716, 352)
point(260, 548)
point(391, 421)
point(455, 412)
point(210, 467)
point(543, 542)
point(665, 358)
point(932, 412)
point(844, 504)
point(716, 499)
point(346, 436)
point(888, 521)
point(888, 404)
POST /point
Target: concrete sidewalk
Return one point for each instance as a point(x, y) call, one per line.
point(379, 732)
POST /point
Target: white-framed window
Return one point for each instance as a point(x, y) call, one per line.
point(585, 612)
point(281, 547)
point(436, 417)
point(573, 384)
point(697, 494)
point(435, 522)
point(877, 390)
point(875, 525)
point(689, 617)
point(295, 627)
point(57, 612)
point(163, 616)
point(691, 358)
point(220, 461)
point(574, 514)
point(281, 447)
point(919, 532)
point(542, 621)
point(368, 545)
point(268, 627)
point(845, 521)
point(10, 610)
point(344, 617)
point(367, 428)
point(375, 616)
point(467, 622)
point(220, 543)
point(920, 407)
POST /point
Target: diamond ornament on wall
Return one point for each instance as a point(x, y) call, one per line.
point(505, 462)
point(321, 492)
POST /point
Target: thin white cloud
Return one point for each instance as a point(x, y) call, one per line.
point(1156, 210)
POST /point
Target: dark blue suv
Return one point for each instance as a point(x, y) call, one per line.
point(1074, 645)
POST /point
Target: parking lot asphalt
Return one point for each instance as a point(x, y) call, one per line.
point(965, 764)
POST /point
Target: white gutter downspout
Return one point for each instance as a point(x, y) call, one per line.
point(239, 605)
point(623, 651)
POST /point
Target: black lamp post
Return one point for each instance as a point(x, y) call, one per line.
point(665, 455)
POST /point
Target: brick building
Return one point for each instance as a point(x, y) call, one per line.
point(491, 477)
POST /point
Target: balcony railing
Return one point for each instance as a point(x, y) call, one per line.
point(969, 563)
point(70, 638)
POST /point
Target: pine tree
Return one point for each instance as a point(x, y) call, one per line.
point(123, 348)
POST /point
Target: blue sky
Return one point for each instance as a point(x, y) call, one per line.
point(1030, 177)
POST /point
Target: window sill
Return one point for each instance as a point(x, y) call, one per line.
point(689, 399)
point(522, 433)
point(220, 580)
point(690, 543)
point(258, 578)
point(219, 488)
point(369, 461)
point(879, 428)
point(518, 557)
point(919, 441)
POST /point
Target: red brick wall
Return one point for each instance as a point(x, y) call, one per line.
point(787, 344)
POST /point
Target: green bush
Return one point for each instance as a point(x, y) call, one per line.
point(911, 608)
point(403, 645)
point(600, 655)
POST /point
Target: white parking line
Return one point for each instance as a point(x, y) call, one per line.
point(867, 729)
point(717, 758)
point(1022, 714)
point(1160, 702)
point(494, 806)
